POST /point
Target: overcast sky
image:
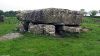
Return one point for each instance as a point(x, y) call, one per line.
point(7, 5)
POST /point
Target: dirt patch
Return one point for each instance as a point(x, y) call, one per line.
point(10, 36)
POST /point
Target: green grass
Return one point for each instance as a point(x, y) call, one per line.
point(9, 25)
point(86, 44)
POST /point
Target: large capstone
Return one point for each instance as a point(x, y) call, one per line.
point(53, 16)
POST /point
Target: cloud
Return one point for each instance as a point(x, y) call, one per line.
point(38, 4)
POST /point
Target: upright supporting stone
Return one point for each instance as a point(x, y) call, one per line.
point(36, 28)
point(42, 29)
point(20, 27)
point(49, 29)
point(72, 29)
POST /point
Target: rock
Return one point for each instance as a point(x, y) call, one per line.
point(55, 16)
point(20, 27)
point(10, 36)
point(36, 29)
point(49, 29)
point(84, 30)
point(42, 29)
point(72, 29)
point(50, 20)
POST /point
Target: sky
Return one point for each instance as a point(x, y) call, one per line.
point(88, 5)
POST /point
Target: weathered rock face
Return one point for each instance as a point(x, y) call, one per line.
point(23, 14)
point(49, 29)
point(53, 16)
point(20, 27)
point(50, 21)
point(42, 29)
point(72, 29)
point(36, 29)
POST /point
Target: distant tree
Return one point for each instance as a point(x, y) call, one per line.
point(1, 12)
point(93, 13)
point(10, 13)
point(84, 12)
point(1, 16)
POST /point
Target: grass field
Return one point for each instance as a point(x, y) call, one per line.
point(9, 25)
point(86, 44)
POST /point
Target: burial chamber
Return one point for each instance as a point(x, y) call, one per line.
point(51, 16)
